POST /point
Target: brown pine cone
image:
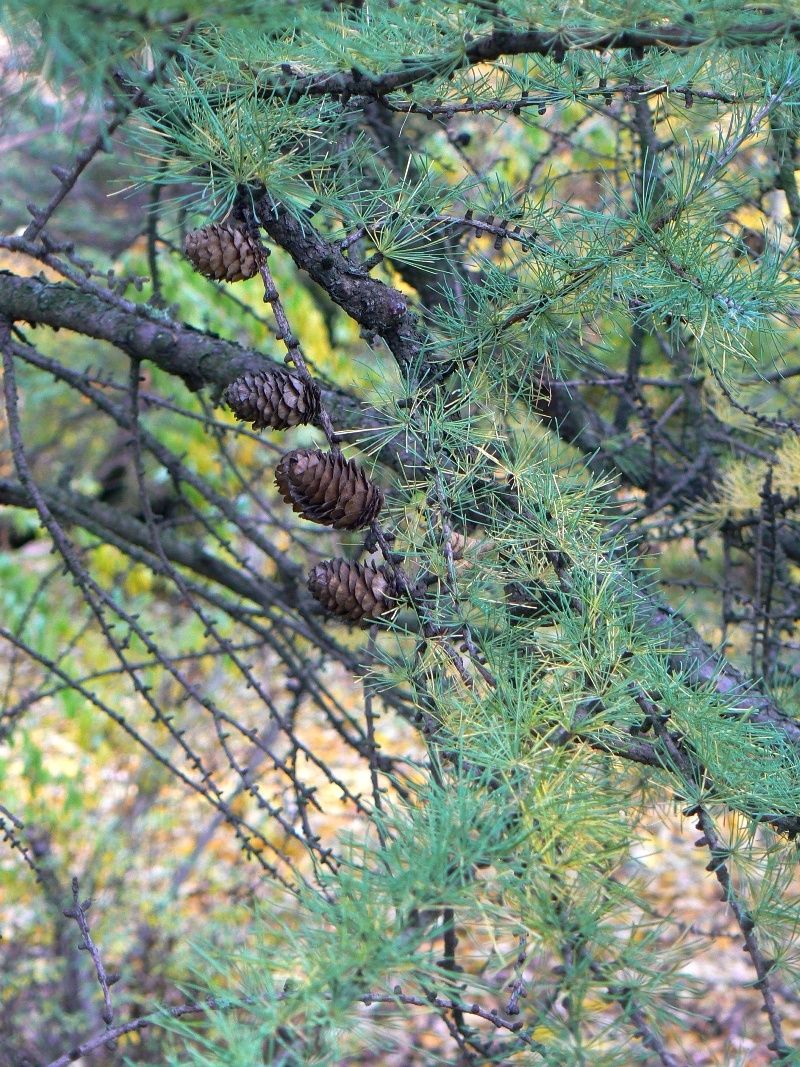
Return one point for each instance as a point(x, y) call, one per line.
point(327, 488)
point(222, 252)
point(352, 590)
point(273, 397)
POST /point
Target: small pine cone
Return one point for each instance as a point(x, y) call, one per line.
point(273, 397)
point(352, 590)
point(327, 488)
point(222, 252)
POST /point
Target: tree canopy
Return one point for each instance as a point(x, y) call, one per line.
point(407, 393)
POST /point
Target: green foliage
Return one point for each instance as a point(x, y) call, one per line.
point(562, 706)
point(552, 824)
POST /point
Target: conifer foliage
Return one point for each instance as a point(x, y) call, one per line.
point(517, 331)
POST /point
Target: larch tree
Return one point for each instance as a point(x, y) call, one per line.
point(423, 478)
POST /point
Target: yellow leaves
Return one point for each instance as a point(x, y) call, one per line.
point(110, 565)
point(139, 581)
point(750, 216)
point(107, 561)
point(743, 481)
point(786, 476)
point(133, 1037)
point(246, 448)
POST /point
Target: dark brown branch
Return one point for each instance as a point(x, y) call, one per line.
point(375, 306)
point(198, 359)
point(555, 43)
point(134, 1026)
point(449, 108)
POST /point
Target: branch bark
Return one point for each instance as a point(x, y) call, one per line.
point(201, 359)
point(542, 42)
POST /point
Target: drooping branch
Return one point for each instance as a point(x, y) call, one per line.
point(114, 526)
point(203, 359)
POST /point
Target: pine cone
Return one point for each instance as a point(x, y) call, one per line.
point(327, 488)
point(222, 252)
point(273, 397)
point(352, 590)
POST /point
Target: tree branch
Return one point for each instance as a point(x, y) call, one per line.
point(555, 43)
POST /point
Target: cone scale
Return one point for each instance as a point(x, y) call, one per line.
point(353, 591)
point(222, 252)
point(274, 398)
point(325, 487)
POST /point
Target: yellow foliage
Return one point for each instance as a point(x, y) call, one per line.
point(743, 481)
point(246, 449)
point(108, 562)
point(740, 488)
point(139, 581)
point(786, 477)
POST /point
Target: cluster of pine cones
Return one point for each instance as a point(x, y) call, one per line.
point(322, 487)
